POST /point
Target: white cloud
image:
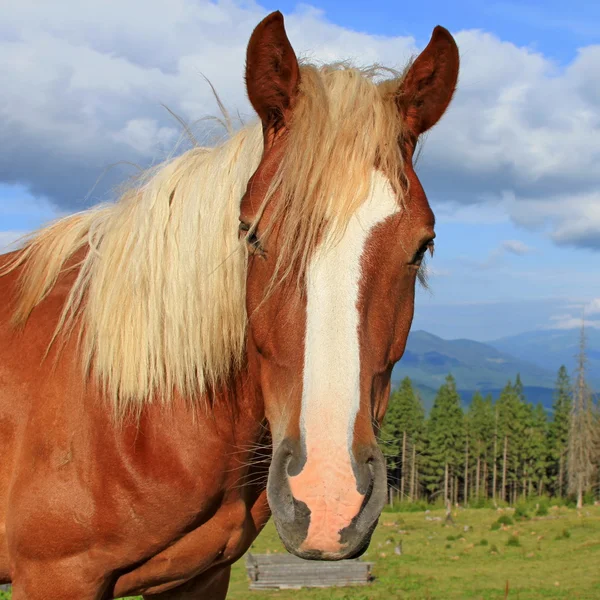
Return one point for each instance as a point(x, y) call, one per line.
point(574, 218)
point(144, 134)
point(496, 256)
point(83, 84)
point(593, 307)
point(578, 312)
point(516, 247)
point(567, 322)
point(486, 213)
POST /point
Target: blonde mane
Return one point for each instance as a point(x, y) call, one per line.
point(160, 291)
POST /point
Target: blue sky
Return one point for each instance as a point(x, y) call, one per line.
point(554, 27)
point(512, 171)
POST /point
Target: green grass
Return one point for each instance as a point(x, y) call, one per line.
point(547, 563)
point(505, 520)
point(445, 562)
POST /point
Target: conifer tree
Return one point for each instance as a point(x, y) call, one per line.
point(481, 421)
point(400, 434)
point(509, 413)
point(417, 440)
point(541, 452)
point(558, 433)
point(530, 446)
point(445, 432)
point(388, 442)
point(518, 389)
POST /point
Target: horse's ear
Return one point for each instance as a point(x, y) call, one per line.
point(430, 82)
point(272, 71)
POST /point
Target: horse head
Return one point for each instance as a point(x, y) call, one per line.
point(336, 224)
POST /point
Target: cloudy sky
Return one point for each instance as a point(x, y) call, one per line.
point(512, 171)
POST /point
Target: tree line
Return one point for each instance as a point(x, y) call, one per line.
point(499, 450)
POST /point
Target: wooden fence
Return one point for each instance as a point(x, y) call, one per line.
point(285, 571)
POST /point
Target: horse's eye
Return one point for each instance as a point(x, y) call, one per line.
point(251, 238)
point(420, 254)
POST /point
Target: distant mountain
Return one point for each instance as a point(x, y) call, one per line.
point(475, 366)
point(552, 348)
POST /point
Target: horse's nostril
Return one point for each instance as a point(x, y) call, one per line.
point(294, 463)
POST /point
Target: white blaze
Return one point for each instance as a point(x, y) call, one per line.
point(331, 380)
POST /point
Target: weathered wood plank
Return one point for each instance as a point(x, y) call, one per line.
point(285, 571)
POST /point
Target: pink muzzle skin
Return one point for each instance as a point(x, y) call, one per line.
point(327, 485)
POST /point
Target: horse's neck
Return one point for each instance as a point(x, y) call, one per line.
point(235, 400)
point(39, 328)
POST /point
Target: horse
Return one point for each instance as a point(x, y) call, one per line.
point(216, 346)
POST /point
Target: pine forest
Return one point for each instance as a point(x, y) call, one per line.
point(494, 452)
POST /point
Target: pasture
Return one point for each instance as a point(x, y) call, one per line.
point(554, 556)
point(551, 556)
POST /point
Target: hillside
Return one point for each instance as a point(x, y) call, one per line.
point(475, 366)
point(554, 347)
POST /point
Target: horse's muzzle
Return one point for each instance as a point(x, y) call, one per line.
point(325, 512)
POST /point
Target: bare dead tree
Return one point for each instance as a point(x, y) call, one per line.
point(580, 459)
